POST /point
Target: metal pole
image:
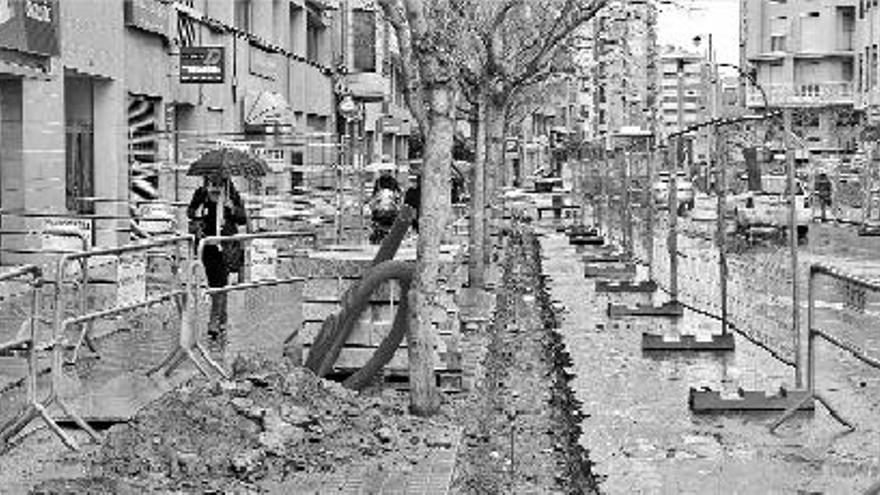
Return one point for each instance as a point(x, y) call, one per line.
point(793, 245)
point(627, 212)
point(673, 188)
point(866, 185)
point(604, 191)
point(811, 345)
point(721, 192)
point(649, 201)
point(338, 180)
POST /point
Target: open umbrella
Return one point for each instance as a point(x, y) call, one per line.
point(226, 162)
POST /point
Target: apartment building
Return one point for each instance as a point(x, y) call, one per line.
point(695, 103)
point(805, 57)
point(619, 69)
point(865, 45)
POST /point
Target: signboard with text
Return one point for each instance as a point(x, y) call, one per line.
point(202, 65)
point(55, 240)
point(264, 257)
point(30, 26)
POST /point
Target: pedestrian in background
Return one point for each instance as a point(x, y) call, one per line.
point(413, 198)
point(219, 261)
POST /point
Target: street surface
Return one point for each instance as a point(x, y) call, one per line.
point(641, 433)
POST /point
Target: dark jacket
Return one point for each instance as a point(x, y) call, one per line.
point(413, 197)
point(202, 213)
point(232, 217)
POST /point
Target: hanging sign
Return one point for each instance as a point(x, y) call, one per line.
point(264, 258)
point(30, 26)
point(202, 65)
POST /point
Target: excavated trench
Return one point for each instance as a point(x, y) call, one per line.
point(523, 423)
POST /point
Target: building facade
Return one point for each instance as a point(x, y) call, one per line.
point(804, 57)
point(619, 69)
point(104, 104)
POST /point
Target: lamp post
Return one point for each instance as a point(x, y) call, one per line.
point(348, 109)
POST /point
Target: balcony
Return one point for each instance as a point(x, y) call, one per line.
point(802, 95)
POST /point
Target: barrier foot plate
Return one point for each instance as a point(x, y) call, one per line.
point(586, 240)
point(869, 230)
point(583, 230)
point(671, 309)
point(608, 257)
point(654, 342)
point(628, 286)
point(707, 401)
point(610, 270)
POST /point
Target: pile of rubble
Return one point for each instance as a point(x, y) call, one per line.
point(269, 423)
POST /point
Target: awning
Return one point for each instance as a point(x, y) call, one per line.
point(267, 109)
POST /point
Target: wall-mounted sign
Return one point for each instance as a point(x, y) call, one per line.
point(202, 65)
point(148, 15)
point(262, 63)
point(30, 26)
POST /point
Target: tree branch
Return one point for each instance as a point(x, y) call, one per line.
point(401, 18)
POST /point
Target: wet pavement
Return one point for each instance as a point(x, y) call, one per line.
point(642, 435)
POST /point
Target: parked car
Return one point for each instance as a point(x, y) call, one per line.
point(769, 209)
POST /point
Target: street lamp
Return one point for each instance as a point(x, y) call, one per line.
point(349, 110)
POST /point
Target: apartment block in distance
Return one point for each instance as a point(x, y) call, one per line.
point(804, 56)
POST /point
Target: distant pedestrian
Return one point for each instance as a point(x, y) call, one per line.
point(218, 263)
point(413, 198)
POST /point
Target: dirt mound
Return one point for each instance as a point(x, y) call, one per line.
point(269, 422)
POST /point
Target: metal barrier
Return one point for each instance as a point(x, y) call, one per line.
point(855, 299)
point(62, 324)
point(83, 245)
point(36, 407)
point(190, 329)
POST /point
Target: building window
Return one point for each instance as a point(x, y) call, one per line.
point(777, 43)
point(243, 14)
point(364, 40)
point(295, 23)
point(872, 70)
point(79, 144)
point(314, 31)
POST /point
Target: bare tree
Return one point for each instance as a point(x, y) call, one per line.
point(428, 34)
point(522, 44)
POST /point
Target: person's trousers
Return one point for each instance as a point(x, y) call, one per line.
point(218, 276)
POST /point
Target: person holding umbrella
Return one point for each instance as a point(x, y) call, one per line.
point(219, 261)
point(217, 166)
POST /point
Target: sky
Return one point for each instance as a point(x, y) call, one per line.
point(677, 26)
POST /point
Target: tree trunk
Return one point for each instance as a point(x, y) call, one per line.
point(433, 219)
point(477, 217)
point(494, 161)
